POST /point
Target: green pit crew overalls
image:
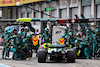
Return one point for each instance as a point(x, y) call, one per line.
point(87, 50)
point(17, 46)
point(46, 37)
point(8, 46)
point(71, 41)
point(96, 43)
point(29, 45)
point(24, 34)
point(4, 36)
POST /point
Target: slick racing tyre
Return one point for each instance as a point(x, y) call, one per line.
point(42, 56)
point(71, 55)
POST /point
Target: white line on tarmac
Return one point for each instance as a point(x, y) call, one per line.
point(74, 66)
point(3, 65)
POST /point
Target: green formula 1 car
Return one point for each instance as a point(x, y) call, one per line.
point(56, 52)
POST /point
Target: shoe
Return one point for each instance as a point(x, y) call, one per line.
point(87, 58)
point(27, 58)
point(16, 59)
point(13, 58)
point(92, 58)
point(7, 57)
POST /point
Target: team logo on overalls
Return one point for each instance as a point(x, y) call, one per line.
point(61, 41)
point(35, 41)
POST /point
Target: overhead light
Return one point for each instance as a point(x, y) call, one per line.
point(18, 3)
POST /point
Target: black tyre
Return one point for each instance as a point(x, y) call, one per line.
point(71, 55)
point(42, 56)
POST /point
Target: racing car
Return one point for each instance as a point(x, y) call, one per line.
point(56, 52)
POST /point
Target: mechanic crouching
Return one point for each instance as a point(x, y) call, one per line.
point(28, 45)
point(71, 39)
point(87, 40)
point(96, 44)
point(4, 36)
point(80, 49)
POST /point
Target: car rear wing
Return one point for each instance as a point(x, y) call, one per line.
point(57, 46)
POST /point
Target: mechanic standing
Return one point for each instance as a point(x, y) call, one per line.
point(17, 46)
point(87, 40)
point(46, 36)
point(14, 33)
point(77, 45)
point(8, 44)
point(4, 36)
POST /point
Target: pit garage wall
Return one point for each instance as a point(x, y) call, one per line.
point(97, 2)
point(87, 8)
point(63, 8)
point(6, 13)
